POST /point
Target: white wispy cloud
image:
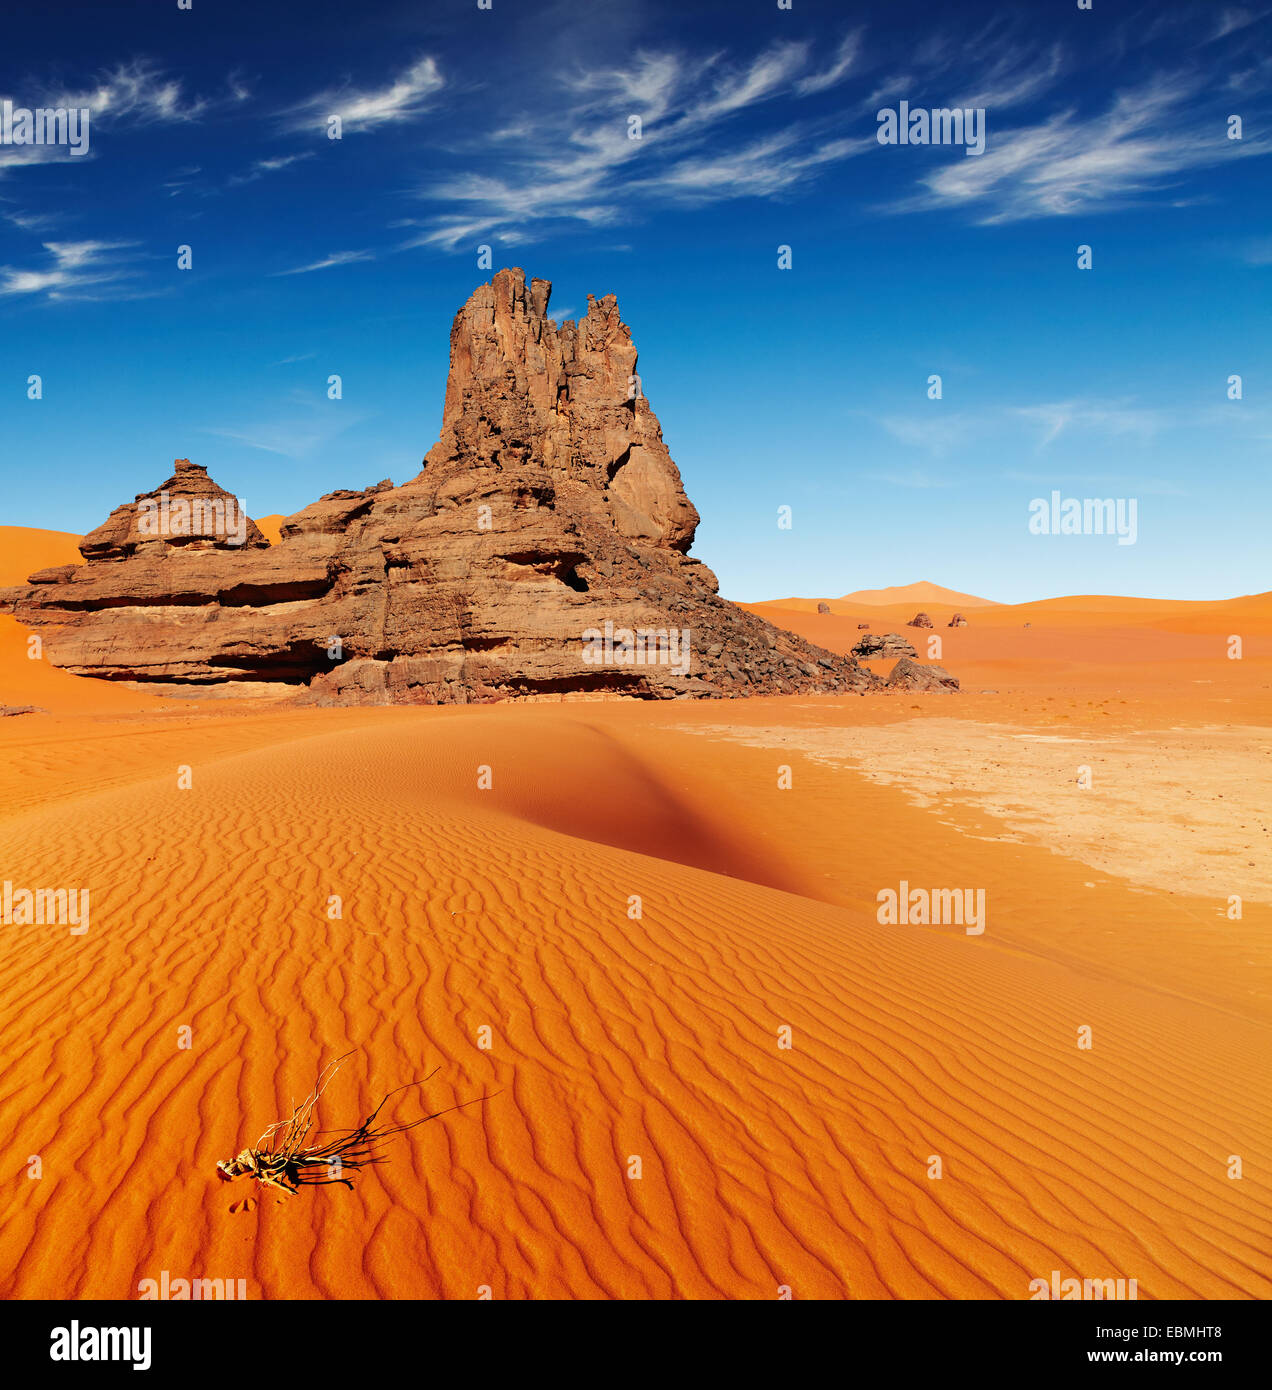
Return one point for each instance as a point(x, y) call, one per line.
point(261, 167)
point(33, 221)
point(406, 98)
point(1234, 18)
point(576, 159)
point(310, 423)
point(141, 92)
point(760, 169)
point(19, 156)
point(74, 268)
point(1013, 77)
point(1008, 70)
point(1110, 418)
point(936, 432)
point(337, 258)
point(136, 93)
point(1127, 486)
point(841, 65)
point(1070, 164)
point(182, 181)
point(771, 72)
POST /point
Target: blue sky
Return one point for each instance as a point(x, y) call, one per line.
point(805, 387)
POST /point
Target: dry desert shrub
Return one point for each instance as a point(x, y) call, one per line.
point(284, 1160)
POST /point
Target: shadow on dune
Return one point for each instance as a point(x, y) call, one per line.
point(581, 780)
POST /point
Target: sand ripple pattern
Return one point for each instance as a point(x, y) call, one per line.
point(612, 1039)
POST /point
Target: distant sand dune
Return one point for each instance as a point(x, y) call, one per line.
point(920, 593)
point(23, 550)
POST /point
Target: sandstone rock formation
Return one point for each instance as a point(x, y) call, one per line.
point(823, 608)
point(874, 647)
point(958, 620)
point(543, 549)
point(920, 620)
point(188, 510)
point(910, 675)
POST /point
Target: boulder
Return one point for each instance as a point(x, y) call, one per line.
point(908, 674)
point(876, 647)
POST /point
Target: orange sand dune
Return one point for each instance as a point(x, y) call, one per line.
point(915, 596)
point(29, 679)
point(613, 1038)
point(26, 678)
point(920, 593)
point(24, 550)
point(1083, 657)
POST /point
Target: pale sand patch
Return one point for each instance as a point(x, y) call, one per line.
point(1186, 810)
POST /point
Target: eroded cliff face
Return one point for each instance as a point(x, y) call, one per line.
point(541, 550)
point(523, 392)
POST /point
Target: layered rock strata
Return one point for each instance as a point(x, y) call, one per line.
point(542, 550)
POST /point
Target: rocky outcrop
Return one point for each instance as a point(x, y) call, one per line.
point(910, 675)
point(823, 608)
point(188, 511)
point(874, 647)
point(920, 620)
point(542, 550)
point(958, 620)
